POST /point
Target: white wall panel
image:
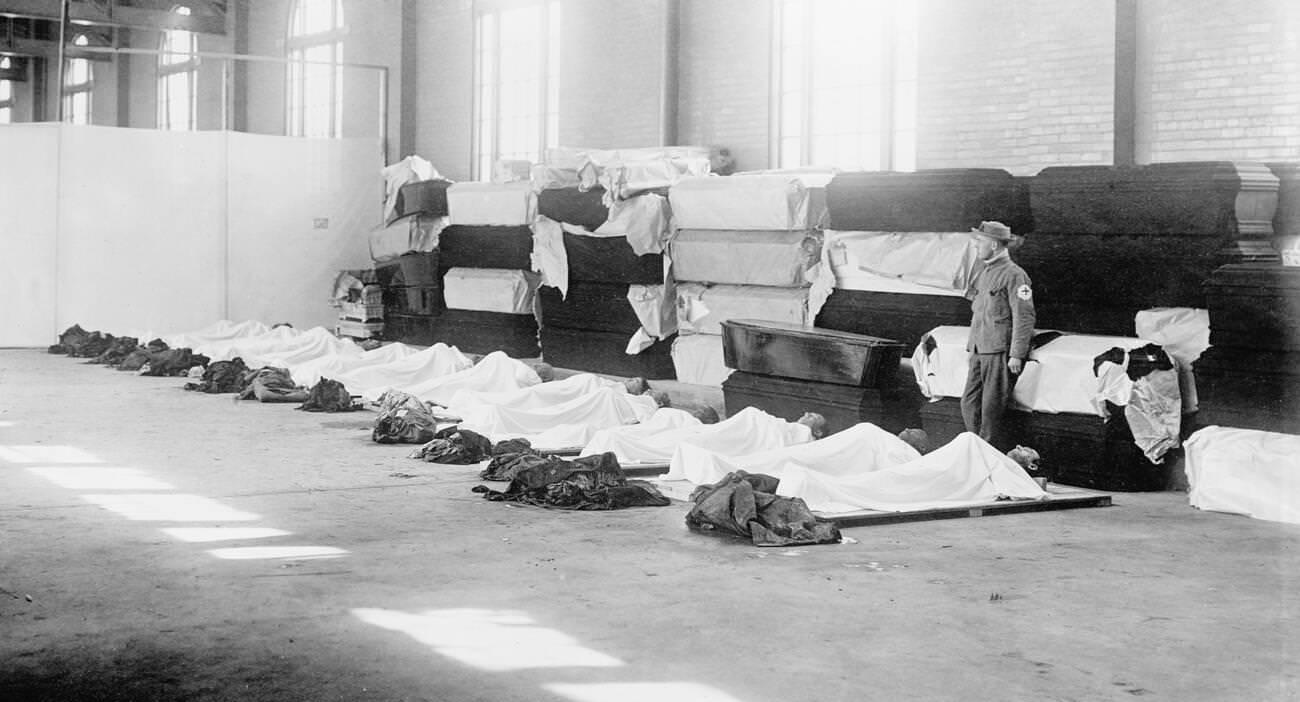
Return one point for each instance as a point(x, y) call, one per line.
point(281, 265)
point(28, 224)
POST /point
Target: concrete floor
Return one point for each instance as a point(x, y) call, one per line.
point(437, 594)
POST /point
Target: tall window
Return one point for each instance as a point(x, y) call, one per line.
point(315, 50)
point(846, 84)
point(177, 77)
point(77, 86)
point(6, 94)
point(516, 83)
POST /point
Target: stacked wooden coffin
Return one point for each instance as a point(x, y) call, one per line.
point(405, 252)
point(484, 262)
point(588, 325)
point(899, 249)
point(1076, 421)
point(746, 247)
point(787, 370)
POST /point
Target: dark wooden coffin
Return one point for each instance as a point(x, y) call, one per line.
point(1249, 389)
point(409, 328)
point(589, 306)
point(425, 197)
point(941, 200)
point(893, 408)
point(610, 260)
point(603, 352)
point(904, 318)
point(473, 331)
point(419, 299)
point(1076, 449)
point(1255, 306)
point(416, 269)
point(1218, 199)
point(1286, 221)
point(486, 247)
point(583, 208)
point(821, 355)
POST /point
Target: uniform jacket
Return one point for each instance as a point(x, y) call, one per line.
point(1002, 304)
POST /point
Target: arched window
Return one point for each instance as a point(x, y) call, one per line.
point(6, 94)
point(177, 77)
point(846, 84)
point(516, 87)
point(77, 85)
point(315, 78)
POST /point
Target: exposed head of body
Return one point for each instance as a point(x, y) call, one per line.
point(815, 422)
point(1027, 457)
point(545, 371)
point(704, 413)
point(917, 439)
point(660, 397)
point(637, 385)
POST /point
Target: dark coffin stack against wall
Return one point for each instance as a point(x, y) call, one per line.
point(412, 297)
point(940, 200)
point(583, 208)
point(425, 197)
point(905, 318)
point(603, 352)
point(591, 306)
point(1076, 449)
point(473, 331)
point(893, 407)
point(486, 247)
point(820, 355)
point(610, 260)
point(1250, 376)
point(1109, 241)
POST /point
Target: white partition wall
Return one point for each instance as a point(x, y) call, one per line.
point(28, 228)
point(133, 231)
point(142, 227)
point(300, 210)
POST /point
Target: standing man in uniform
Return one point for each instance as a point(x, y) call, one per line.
point(1002, 322)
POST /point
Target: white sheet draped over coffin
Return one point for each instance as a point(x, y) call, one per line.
point(1244, 471)
point(370, 381)
point(966, 470)
point(491, 204)
point(495, 372)
point(490, 290)
point(1057, 378)
point(620, 171)
point(644, 220)
point(409, 234)
point(916, 263)
point(701, 309)
point(223, 330)
point(776, 201)
point(1184, 334)
point(670, 439)
point(776, 258)
point(567, 424)
point(698, 358)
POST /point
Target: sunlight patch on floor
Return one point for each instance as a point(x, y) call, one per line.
point(169, 508)
point(493, 640)
point(99, 478)
point(46, 454)
point(209, 534)
point(283, 553)
point(639, 692)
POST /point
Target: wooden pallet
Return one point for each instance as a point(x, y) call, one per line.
point(1059, 497)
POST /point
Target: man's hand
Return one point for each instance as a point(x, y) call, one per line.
point(1015, 365)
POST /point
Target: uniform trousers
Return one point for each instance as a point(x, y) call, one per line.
point(987, 395)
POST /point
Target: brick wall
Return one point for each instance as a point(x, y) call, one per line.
point(1016, 85)
point(724, 77)
point(1218, 80)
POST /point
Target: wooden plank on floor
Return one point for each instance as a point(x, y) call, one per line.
point(1060, 497)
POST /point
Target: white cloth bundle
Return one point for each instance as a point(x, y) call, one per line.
point(698, 359)
point(776, 258)
point(411, 169)
point(771, 201)
point(643, 219)
point(1184, 334)
point(923, 263)
point(492, 204)
point(1244, 471)
point(490, 290)
point(701, 309)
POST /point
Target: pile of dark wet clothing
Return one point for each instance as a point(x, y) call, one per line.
point(220, 377)
point(404, 419)
point(587, 483)
point(272, 384)
point(328, 396)
point(455, 446)
point(746, 504)
point(125, 353)
point(79, 343)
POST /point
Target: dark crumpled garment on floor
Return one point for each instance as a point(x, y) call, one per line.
point(93, 345)
point(116, 351)
point(745, 504)
point(270, 384)
point(173, 362)
point(328, 396)
point(220, 377)
point(72, 338)
point(587, 483)
point(140, 355)
point(508, 458)
point(455, 446)
point(403, 419)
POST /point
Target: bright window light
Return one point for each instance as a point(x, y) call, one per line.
point(77, 86)
point(170, 508)
point(99, 478)
point(283, 553)
point(492, 640)
point(46, 454)
point(639, 692)
point(210, 534)
point(315, 77)
point(177, 78)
